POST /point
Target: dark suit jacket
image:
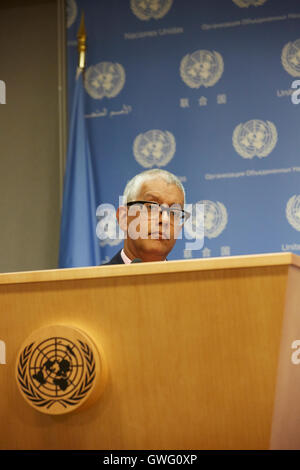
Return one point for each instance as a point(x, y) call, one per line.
point(117, 259)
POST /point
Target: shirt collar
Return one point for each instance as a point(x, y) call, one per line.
point(125, 257)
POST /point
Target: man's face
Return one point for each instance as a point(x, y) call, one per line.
point(157, 234)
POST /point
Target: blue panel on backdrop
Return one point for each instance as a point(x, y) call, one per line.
point(202, 89)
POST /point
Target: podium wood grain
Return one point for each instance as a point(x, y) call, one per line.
point(192, 350)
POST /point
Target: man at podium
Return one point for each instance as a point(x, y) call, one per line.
point(152, 216)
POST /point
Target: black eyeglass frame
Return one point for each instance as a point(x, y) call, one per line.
point(184, 214)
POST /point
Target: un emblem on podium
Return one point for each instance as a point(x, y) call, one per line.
point(255, 138)
point(147, 9)
point(105, 79)
point(59, 369)
point(248, 3)
point(293, 212)
point(290, 58)
point(201, 68)
point(154, 148)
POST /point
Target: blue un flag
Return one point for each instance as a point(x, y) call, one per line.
point(78, 241)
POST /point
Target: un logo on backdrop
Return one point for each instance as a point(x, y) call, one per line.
point(290, 58)
point(154, 148)
point(104, 79)
point(147, 9)
point(255, 138)
point(215, 220)
point(71, 12)
point(201, 68)
point(293, 212)
point(107, 230)
point(248, 3)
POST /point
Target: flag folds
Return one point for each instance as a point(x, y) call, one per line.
point(78, 241)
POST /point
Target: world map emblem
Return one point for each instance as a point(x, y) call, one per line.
point(154, 148)
point(147, 9)
point(108, 230)
point(293, 212)
point(71, 12)
point(290, 58)
point(59, 369)
point(105, 79)
point(248, 3)
point(194, 226)
point(215, 220)
point(255, 138)
point(201, 68)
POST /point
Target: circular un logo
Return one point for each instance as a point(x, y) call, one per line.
point(293, 212)
point(248, 3)
point(104, 79)
point(59, 370)
point(154, 148)
point(290, 58)
point(71, 12)
point(108, 230)
point(194, 226)
point(255, 138)
point(215, 220)
point(147, 9)
point(201, 68)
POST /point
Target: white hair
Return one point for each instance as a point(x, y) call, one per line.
point(133, 186)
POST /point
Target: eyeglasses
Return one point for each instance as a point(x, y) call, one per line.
point(154, 209)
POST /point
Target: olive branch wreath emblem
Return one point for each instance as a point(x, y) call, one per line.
point(79, 393)
point(290, 214)
point(292, 70)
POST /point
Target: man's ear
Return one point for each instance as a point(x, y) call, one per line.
point(122, 217)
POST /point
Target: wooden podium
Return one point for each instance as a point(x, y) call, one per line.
point(201, 354)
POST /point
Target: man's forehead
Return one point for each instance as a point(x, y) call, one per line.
point(162, 191)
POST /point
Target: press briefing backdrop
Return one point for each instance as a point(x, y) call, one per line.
point(202, 89)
